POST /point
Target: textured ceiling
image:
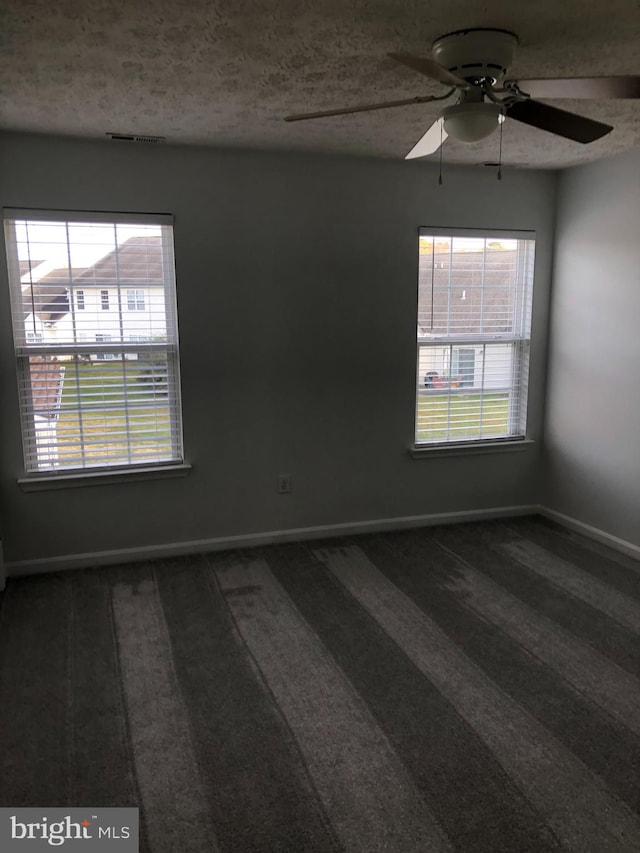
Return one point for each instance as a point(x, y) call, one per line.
point(225, 72)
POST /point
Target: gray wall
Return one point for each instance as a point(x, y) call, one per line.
point(297, 307)
point(592, 432)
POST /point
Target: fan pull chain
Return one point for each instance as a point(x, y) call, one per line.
point(441, 142)
point(500, 155)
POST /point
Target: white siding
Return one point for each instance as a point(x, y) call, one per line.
point(495, 373)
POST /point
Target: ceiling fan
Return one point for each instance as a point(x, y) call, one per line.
point(474, 63)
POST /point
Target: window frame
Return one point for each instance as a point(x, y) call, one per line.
point(88, 474)
point(520, 341)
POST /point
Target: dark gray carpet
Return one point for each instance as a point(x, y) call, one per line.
point(465, 688)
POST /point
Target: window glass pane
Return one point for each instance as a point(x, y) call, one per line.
point(93, 274)
point(474, 317)
point(102, 389)
point(114, 410)
point(469, 285)
point(466, 393)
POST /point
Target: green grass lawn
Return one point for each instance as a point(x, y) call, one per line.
point(462, 416)
point(110, 431)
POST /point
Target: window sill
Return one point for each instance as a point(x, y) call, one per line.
point(40, 483)
point(473, 448)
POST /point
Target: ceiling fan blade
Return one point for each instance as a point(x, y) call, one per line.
point(562, 123)
point(430, 68)
point(430, 142)
point(580, 87)
point(363, 108)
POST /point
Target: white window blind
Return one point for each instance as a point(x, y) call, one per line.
point(99, 384)
point(474, 328)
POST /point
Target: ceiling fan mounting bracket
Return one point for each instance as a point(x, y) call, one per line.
point(481, 56)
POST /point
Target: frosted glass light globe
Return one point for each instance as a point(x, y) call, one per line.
point(472, 121)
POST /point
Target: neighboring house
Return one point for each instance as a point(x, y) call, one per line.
point(118, 299)
point(28, 265)
point(454, 297)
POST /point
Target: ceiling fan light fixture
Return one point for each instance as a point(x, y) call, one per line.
point(471, 122)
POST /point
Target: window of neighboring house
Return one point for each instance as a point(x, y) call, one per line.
point(135, 300)
point(104, 300)
point(463, 361)
point(34, 337)
point(85, 396)
point(103, 355)
point(474, 328)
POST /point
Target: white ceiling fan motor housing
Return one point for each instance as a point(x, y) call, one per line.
point(476, 55)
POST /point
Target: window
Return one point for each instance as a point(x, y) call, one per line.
point(464, 363)
point(103, 355)
point(135, 300)
point(104, 300)
point(97, 391)
point(474, 326)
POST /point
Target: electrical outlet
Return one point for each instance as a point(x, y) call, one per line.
point(284, 484)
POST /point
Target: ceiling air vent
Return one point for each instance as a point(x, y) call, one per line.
point(493, 164)
point(133, 137)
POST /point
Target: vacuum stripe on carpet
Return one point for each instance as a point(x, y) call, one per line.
point(418, 565)
point(176, 810)
point(574, 802)
point(259, 791)
point(35, 682)
point(368, 794)
point(103, 773)
point(455, 772)
point(478, 545)
point(614, 567)
point(606, 684)
point(620, 607)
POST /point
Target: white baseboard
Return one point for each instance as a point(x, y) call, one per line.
point(591, 532)
point(20, 568)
